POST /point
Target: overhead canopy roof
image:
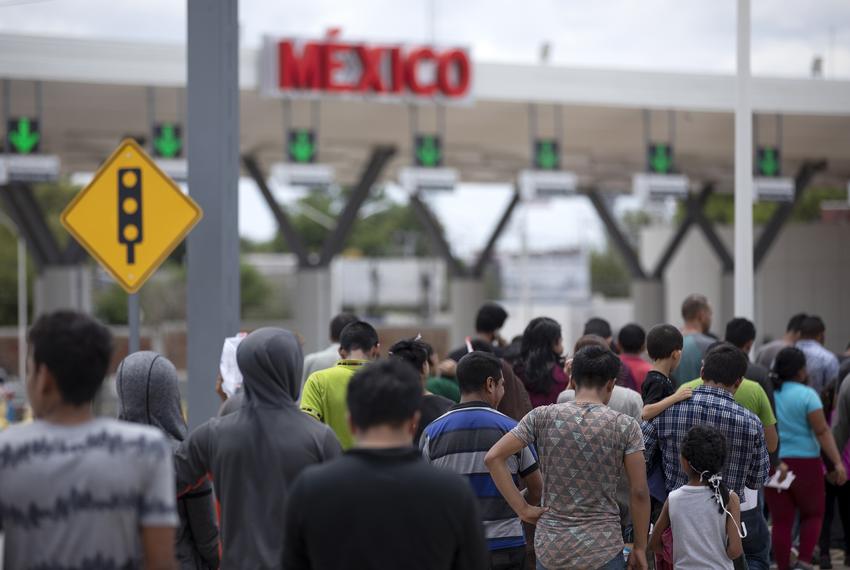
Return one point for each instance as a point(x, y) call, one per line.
point(95, 92)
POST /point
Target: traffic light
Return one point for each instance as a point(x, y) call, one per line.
point(130, 210)
point(428, 151)
point(167, 140)
point(301, 146)
point(547, 154)
point(23, 136)
point(768, 161)
point(660, 158)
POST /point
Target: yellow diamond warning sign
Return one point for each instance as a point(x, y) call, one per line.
point(131, 216)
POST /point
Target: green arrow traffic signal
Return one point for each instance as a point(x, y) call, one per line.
point(428, 152)
point(23, 135)
point(302, 146)
point(167, 141)
point(660, 158)
point(768, 161)
point(546, 155)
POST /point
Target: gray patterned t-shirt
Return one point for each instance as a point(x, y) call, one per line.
point(581, 449)
point(77, 497)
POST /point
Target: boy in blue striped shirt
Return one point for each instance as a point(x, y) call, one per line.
point(460, 439)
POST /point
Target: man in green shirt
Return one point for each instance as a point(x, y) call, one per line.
point(324, 395)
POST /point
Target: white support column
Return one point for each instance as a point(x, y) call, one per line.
point(744, 282)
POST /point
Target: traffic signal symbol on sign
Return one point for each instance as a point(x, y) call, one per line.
point(660, 158)
point(768, 161)
point(23, 136)
point(131, 216)
point(428, 151)
point(130, 210)
point(167, 140)
point(547, 155)
point(302, 146)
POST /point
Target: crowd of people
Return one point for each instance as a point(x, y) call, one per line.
point(666, 448)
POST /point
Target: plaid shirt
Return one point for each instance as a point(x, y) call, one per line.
point(747, 462)
point(821, 364)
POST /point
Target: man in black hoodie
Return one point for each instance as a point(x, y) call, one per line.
point(381, 505)
point(255, 453)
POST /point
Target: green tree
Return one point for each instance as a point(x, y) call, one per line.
point(720, 208)
point(609, 276)
point(383, 228)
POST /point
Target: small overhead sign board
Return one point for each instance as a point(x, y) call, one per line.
point(417, 179)
point(660, 186)
point(767, 189)
point(540, 184)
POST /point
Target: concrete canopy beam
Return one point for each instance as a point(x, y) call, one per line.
point(782, 214)
point(380, 157)
point(622, 244)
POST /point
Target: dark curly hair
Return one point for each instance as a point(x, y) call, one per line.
point(537, 356)
point(704, 448)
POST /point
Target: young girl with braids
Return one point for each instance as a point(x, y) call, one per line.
point(703, 515)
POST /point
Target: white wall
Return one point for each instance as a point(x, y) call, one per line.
point(807, 269)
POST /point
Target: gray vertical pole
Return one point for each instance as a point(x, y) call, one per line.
point(213, 154)
point(744, 280)
point(22, 307)
point(133, 322)
point(150, 99)
point(7, 106)
point(39, 103)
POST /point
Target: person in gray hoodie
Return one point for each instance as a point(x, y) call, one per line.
point(148, 394)
point(255, 453)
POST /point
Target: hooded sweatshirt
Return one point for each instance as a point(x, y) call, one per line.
point(255, 453)
point(148, 394)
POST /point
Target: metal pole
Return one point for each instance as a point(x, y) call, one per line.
point(286, 106)
point(213, 145)
point(150, 98)
point(39, 102)
point(22, 307)
point(525, 282)
point(133, 322)
point(7, 106)
point(744, 278)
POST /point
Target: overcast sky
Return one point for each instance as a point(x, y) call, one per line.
point(692, 35)
point(683, 35)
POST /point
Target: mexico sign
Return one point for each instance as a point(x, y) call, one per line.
point(335, 68)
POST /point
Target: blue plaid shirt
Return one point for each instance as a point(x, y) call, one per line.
point(821, 364)
point(747, 462)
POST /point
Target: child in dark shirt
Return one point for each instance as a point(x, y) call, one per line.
point(664, 346)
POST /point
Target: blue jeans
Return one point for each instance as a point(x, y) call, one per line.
point(616, 563)
point(757, 543)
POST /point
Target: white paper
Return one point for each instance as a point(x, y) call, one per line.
point(231, 377)
point(774, 483)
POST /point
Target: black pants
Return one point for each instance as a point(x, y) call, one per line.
point(841, 495)
point(508, 559)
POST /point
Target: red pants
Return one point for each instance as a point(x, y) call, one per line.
point(805, 496)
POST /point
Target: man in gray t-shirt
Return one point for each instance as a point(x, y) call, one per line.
point(73, 495)
point(78, 491)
